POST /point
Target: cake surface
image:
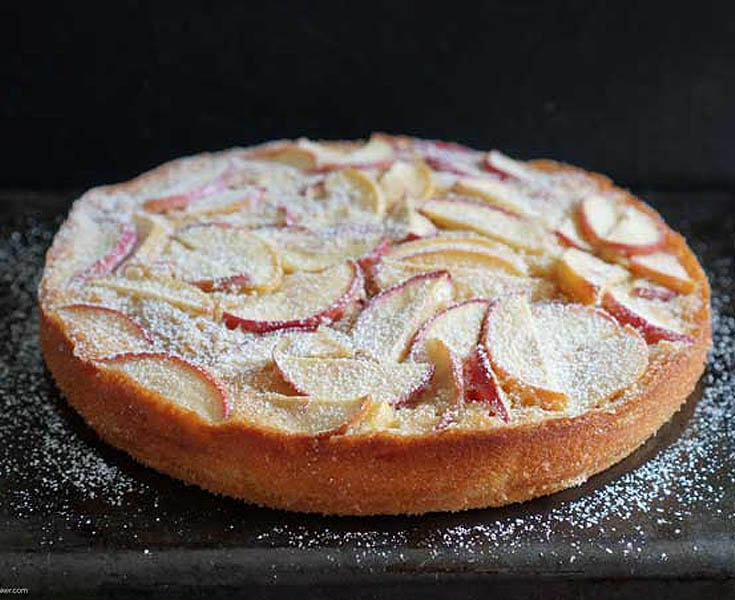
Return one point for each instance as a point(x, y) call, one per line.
point(375, 327)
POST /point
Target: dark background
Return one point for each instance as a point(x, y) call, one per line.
point(97, 92)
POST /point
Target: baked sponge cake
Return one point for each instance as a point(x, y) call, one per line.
point(374, 327)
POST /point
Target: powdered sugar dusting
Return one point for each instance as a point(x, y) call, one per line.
point(62, 485)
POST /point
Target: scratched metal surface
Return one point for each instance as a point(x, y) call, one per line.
point(80, 519)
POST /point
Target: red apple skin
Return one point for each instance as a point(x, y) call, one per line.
point(446, 165)
point(223, 284)
point(368, 261)
point(568, 242)
point(654, 293)
point(487, 165)
point(589, 234)
point(651, 333)
point(332, 313)
point(127, 240)
point(165, 204)
point(119, 315)
point(162, 356)
point(480, 383)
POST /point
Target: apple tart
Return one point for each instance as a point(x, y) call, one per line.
point(386, 326)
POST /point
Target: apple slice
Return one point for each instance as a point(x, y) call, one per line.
point(562, 356)
point(568, 234)
point(500, 194)
point(111, 242)
point(467, 282)
point(448, 380)
point(163, 289)
point(336, 378)
point(391, 319)
point(182, 199)
point(470, 255)
point(584, 277)
point(515, 231)
point(324, 156)
point(358, 188)
point(375, 154)
point(480, 384)
point(665, 269)
point(153, 235)
point(407, 179)
point(653, 292)
point(449, 158)
point(99, 331)
point(507, 168)
point(304, 249)
point(304, 301)
point(223, 258)
point(404, 212)
point(175, 380)
point(512, 343)
point(593, 358)
point(224, 203)
point(654, 319)
point(619, 227)
point(296, 415)
point(457, 327)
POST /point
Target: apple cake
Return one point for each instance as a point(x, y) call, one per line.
point(390, 326)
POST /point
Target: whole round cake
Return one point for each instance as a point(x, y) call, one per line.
point(386, 326)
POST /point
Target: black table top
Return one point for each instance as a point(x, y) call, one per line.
point(80, 519)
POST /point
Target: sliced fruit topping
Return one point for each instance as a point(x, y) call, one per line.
point(335, 378)
point(457, 327)
point(99, 331)
point(178, 381)
point(406, 179)
point(164, 289)
point(314, 416)
point(223, 258)
point(153, 235)
point(180, 200)
point(470, 255)
point(653, 318)
point(507, 168)
point(519, 233)
point(551, 354)
point(448, 380)
point(511, 340)
point(584, 277)
point(593, 358)
point(500, 194)
point(359, 188)
point(304, 249)
point(111, 243)
point(619, 227)
point(404, 212)
point(448, 157)
point(568, 234)
point(652, 292)
point(304, 301)
point(326, 156)
point(226, 202)
point(322, 343)
point(467, 282)
point(391, 319)
point(480, 384)
point(665, 269)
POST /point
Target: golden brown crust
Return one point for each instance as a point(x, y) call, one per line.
point(377, 473)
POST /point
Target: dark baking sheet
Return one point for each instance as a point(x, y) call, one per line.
point(79, 519)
